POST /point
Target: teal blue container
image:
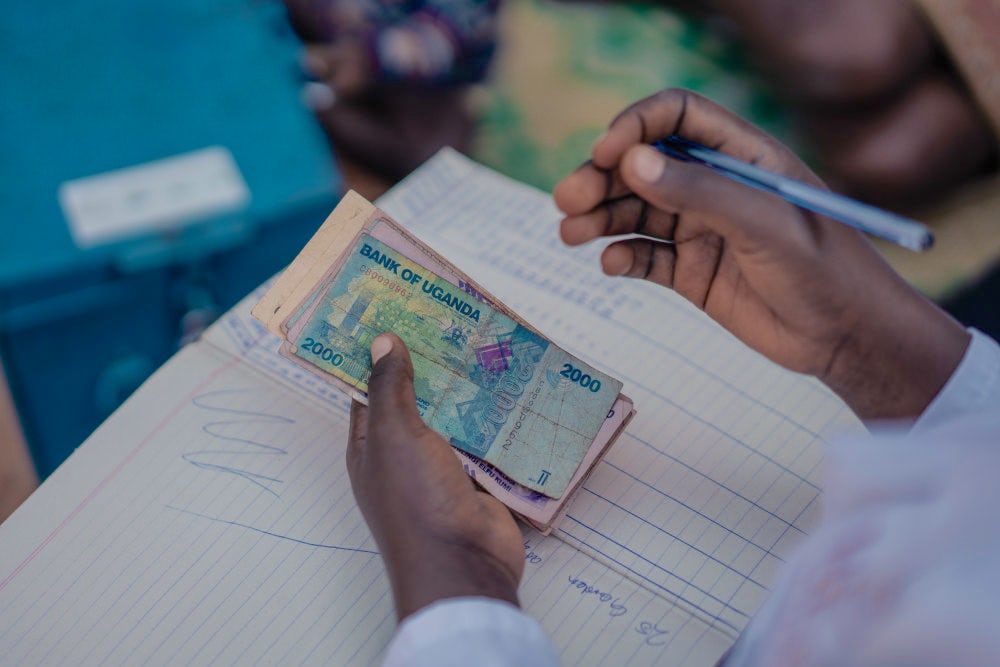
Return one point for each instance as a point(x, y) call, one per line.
point(91, 88)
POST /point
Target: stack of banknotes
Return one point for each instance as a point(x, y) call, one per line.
point(527, 420)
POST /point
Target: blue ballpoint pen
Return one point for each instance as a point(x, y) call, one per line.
point(903, 231)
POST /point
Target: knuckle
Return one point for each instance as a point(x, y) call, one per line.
point(668, 95)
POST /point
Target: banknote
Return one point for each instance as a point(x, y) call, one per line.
point(295, 296)
point(326, 250)
point(493, 387)
point(537, 509)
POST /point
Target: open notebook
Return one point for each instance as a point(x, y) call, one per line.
point(211, 521)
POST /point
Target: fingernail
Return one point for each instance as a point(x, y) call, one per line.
point(648, 166)
point(616, 261)
point(317, 96)
point(614, 273)
point(381, 346)
point(620, 271)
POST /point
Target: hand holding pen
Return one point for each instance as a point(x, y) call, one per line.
point(875, 221)
point(801, 288)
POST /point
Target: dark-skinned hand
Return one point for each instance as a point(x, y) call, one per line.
point(807, 292)
point(439, 536)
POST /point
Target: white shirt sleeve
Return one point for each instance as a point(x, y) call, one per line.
point(973, 387)
point(470, 631)
point(904, 566)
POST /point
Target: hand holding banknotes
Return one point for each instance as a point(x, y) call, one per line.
point(803, 290)
point(439, 536)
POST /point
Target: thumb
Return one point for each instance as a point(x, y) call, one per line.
point(392, 403)
point(730, 209)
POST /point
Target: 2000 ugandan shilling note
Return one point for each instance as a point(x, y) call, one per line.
point(326, 250)
point(391, 234)
point(396, 237)
point(491, 386)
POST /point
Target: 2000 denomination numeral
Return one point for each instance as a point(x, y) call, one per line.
point(580, 378)
point(323, 352)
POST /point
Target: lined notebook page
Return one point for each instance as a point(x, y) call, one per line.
point(210, 520)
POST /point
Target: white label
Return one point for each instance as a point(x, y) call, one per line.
point(158, 195)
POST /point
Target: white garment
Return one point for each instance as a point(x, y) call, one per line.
point(470, 631)
point(904, 566)
point(903, 569)
point(974, 387)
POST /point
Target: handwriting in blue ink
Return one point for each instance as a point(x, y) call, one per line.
point(655, 636)
point(615, 608)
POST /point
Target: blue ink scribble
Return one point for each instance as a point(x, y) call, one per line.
point(271, 534)
point(216, 429)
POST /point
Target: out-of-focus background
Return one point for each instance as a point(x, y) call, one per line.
point(161, 159)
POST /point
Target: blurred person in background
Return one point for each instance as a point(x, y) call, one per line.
point(899, 100)
point(896, 102)
point(393, 74)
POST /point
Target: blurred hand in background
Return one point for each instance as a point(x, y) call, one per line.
point(395, 74)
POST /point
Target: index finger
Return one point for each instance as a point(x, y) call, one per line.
point(671, 111)
point(687, 114)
